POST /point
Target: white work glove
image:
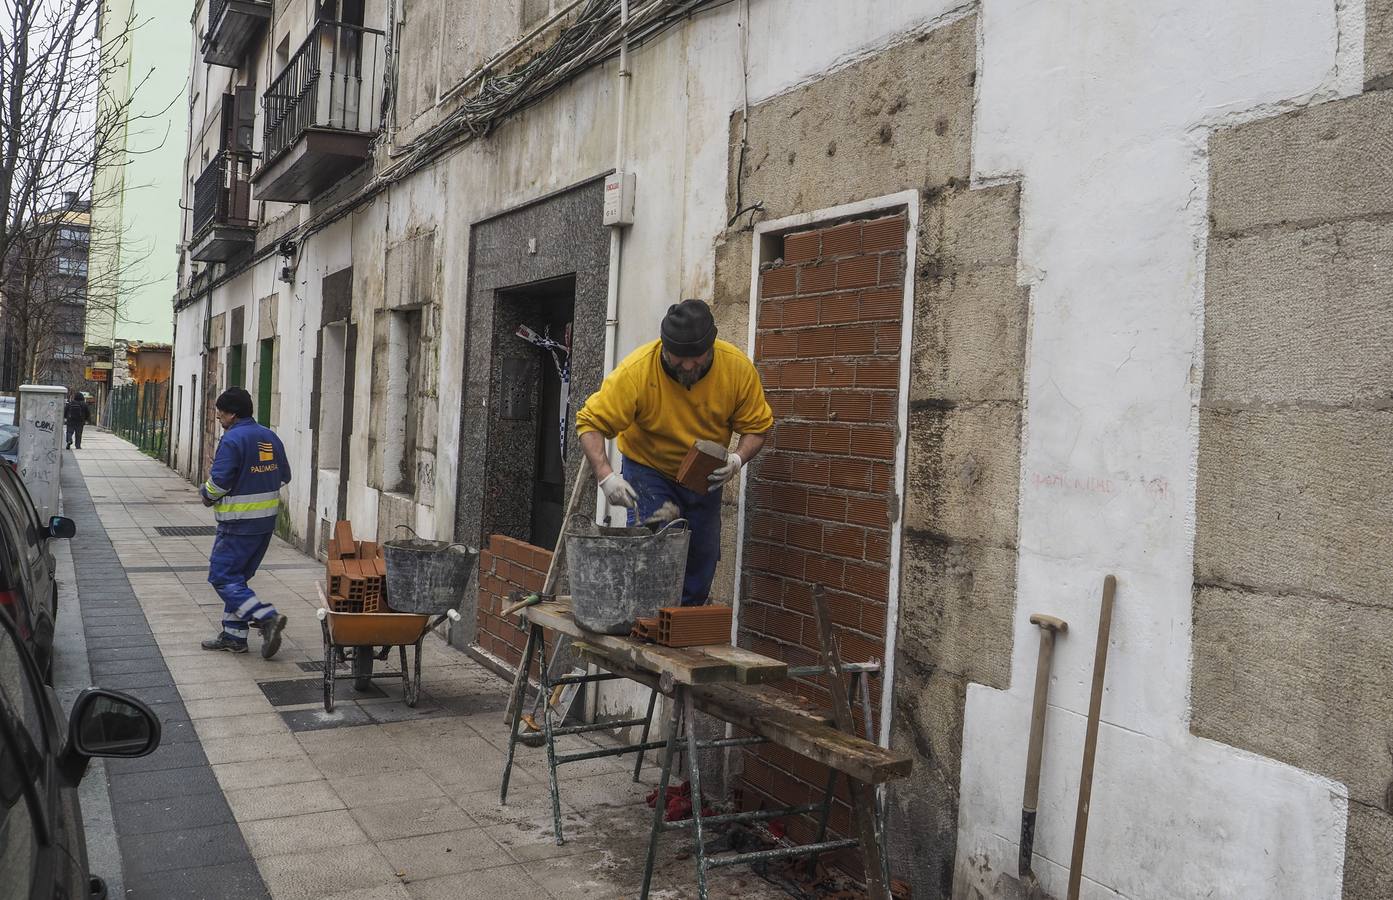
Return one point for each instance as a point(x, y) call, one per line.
point(618, 491)
point(726, 472)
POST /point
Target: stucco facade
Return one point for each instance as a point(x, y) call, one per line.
point(1079, 183)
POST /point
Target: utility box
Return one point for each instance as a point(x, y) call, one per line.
point(41, 443)
point(619, 198)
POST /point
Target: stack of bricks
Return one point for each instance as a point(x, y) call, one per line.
point(827, 345)
point(506, 565)
point(356, 573)
point(693, 626)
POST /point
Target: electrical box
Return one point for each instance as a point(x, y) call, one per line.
point(619, 199)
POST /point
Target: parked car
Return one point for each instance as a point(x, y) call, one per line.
point(9, 446)
point(43, 756)
point(8, 408)
point(27, 588)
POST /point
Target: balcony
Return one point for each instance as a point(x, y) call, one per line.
point(321, 113)
point(232, 26)
point(222, 222)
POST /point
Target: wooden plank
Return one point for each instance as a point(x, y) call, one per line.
point(750, 667)
point(685, 666)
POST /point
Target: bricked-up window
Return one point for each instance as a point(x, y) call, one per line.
point(827, 343)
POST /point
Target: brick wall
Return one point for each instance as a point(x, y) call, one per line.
point(506, 565)
point(828, 349)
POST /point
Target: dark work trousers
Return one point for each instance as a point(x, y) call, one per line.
point(75, 434)
point(231, 565)
point(703, 515)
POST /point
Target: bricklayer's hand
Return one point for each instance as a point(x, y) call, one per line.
point(618, 491)
point(726, 472)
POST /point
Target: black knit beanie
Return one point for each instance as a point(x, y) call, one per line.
point(688, 329)
point(237, 401)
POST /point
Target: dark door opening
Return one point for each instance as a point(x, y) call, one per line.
point(532, 336)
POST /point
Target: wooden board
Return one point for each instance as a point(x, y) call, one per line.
point(709, 664)
point(684, 665)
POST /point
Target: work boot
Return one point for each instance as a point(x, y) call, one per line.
point(271, 635)
point(223, 642)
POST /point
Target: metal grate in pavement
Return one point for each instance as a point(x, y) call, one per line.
point(316, 665)
point(186, 530)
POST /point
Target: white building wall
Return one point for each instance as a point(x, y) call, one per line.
point(1101, 111)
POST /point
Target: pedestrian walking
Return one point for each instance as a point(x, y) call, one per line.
point(667, 395)
point(75, 418)
point(243, 487)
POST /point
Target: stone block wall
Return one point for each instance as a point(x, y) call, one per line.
point(1293, 598)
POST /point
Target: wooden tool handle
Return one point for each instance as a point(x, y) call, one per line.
point(1090, 740)
point(1029, 803)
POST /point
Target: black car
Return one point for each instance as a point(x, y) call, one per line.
point(27, 588)
point(43, 756)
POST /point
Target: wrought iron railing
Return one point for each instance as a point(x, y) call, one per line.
point(215, 9)
point(333, 81)
point(222, 194)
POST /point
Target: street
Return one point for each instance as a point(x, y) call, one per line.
point(255, 791)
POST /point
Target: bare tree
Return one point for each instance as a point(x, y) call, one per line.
point(65, 119)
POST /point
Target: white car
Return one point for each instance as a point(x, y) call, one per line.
point(7, 410)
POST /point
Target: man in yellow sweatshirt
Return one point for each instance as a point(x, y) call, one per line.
point(658, 402)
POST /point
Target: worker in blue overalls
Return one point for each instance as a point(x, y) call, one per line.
point(243, 487)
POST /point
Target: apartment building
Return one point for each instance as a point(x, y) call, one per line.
point(1039, 293)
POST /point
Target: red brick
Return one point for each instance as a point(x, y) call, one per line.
point(777, 282)
point(787, 499)
point(787, 562)
point(873, 620)
point(773, 466)
point(876, 442)
point(800, 373)
point(798, 597)
point(870, 511)
point(782, 624)
point(541, 559)
point(776, 345)
point(887, 339)
point(835, 373)
point(817, 342)
point(844, 541)
point(878, 373)
point(850, 406)
point(892, 269)
point(828, 507)
point(818, 279)
point(858, 648)
point(887, 303)
point(830, 439)
point(781, 403)
point(882, 477)
point(851, 474)
point(792, 436)
point(811, 404)
point(770, 314)
point(758, 556)
point(884, 234)
point(503, 570)
point(877, 546)
point(800, 312)
point(801, 247)
point(837, 309)
point(765, 527)
point(806, 535)
point(811, 471)
point(867, 580)
point(860, 271)
point(844, 609)
point(764, 589)
point(824, 570)
point(885, 407)
point(752, 615)
point(842, 239)
point(770, 374)
point(855, 340)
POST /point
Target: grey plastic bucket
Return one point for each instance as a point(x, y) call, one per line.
point(619, 574)
point(427, 576)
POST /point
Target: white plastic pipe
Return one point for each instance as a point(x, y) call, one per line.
point(616, 232)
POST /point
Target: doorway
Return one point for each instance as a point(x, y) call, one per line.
point(529, 429)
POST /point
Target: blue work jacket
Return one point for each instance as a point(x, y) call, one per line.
point(245, 481)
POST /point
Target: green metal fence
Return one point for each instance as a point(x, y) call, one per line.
point(140, 414)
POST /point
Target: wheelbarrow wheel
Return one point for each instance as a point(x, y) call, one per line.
point(329, 661)
point(362, 668)
point(411, 679)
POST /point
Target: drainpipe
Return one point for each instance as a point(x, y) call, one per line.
point(616, 255)
point(616, 232)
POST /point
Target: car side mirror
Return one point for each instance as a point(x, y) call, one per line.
point(61, 527)
point(107, 724)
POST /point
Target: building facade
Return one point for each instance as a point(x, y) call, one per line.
point(1039, 293)
point(43, 312)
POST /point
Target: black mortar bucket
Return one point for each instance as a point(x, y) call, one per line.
point(427, 576)
point(619, 574)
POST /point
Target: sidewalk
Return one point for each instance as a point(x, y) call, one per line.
point(257, 791)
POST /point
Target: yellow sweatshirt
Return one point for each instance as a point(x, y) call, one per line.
point(657, 420)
